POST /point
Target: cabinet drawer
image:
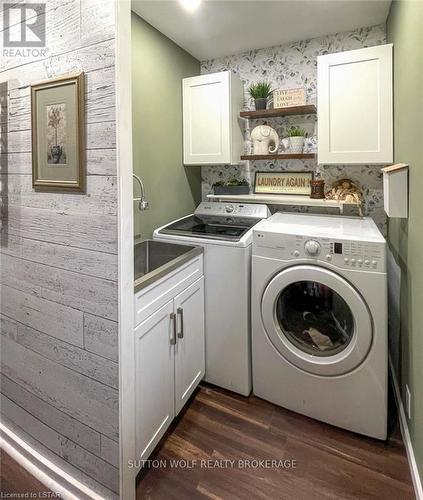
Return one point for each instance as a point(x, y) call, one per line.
point(150, 299)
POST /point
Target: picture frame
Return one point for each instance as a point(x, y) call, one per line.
point(283, 183)
point(58, 134)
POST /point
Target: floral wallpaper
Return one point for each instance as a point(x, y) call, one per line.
point(294, 65)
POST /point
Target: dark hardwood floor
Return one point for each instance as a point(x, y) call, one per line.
point(326, 462)
point(218, 425)
point(17, 481)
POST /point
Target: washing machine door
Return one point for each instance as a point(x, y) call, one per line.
point(317, 320)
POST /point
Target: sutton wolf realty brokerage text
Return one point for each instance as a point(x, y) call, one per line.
point(214, 464)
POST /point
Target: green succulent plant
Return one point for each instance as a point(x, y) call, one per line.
point(232, 182)
point(296, 132)
point(237, 182)
point(260, 90)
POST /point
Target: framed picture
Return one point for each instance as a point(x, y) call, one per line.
point(283, 183)
point(58, 134)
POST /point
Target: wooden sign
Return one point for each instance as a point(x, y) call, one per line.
point(284, 98)
point(283, 183)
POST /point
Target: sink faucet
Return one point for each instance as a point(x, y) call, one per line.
point(143, 203)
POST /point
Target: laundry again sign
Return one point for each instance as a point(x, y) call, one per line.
point(283, 183)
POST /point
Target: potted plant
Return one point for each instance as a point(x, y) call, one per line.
point(296, 139)
point(260, 92)
point(233, 186)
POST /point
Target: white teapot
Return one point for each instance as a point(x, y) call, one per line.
point(263, 136)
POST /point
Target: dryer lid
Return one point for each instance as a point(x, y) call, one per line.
point(323, 226)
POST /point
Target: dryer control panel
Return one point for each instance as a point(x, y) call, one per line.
point(345, 254)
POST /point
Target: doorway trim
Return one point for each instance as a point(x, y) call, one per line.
point(125, 248)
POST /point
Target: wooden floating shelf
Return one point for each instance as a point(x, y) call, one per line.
point(308, 109)
point(286, 156)
point(284, 199)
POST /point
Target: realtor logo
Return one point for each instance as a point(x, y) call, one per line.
point(24, 25)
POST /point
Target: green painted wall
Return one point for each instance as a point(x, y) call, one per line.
point(405, 31)
point(158, 66)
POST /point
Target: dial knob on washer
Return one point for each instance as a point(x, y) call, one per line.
point(229, 208)
point(312, 247)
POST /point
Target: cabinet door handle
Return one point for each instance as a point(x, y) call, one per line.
point(180, 312)
point(173, 329)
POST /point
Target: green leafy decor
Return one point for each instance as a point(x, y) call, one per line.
point(260, 90)
point(232, 186)
point(296, 132)
point(232, 182)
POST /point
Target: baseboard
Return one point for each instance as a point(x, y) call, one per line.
point(48, 473)
point(417, 482)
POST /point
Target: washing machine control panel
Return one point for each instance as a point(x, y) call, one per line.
point(240, 210)
point(346, 254)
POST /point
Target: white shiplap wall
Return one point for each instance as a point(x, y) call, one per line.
point(59, 336)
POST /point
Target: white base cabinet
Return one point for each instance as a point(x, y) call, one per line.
point(154, 372)
point(169, 359)
point(355, 108)
point(189, 347)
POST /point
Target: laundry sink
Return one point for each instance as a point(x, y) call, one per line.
point(154, 259)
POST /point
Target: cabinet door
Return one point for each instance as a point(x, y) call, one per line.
point(355, 106)
point(206, 119)
point(154, 384)
point(189, 349)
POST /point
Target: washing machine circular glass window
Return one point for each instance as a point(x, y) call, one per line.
point(315, 318)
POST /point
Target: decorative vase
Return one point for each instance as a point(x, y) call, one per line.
point(310, 144)
point(263, 137)
point(317, 187)
point(296, 144)
point(260, 103)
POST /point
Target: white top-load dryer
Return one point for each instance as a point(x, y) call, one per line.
point(224, 230)
point(319, 319)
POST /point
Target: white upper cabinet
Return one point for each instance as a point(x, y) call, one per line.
point(211, 124)
point(355, 106)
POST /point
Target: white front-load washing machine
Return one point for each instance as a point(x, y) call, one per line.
point(319, 319)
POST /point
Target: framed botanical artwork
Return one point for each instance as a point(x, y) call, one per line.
point(283, 183)
point(58, 134)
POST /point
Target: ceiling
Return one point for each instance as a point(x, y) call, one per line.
point(221, 27)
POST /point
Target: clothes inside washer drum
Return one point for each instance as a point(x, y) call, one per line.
point(314, 318)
